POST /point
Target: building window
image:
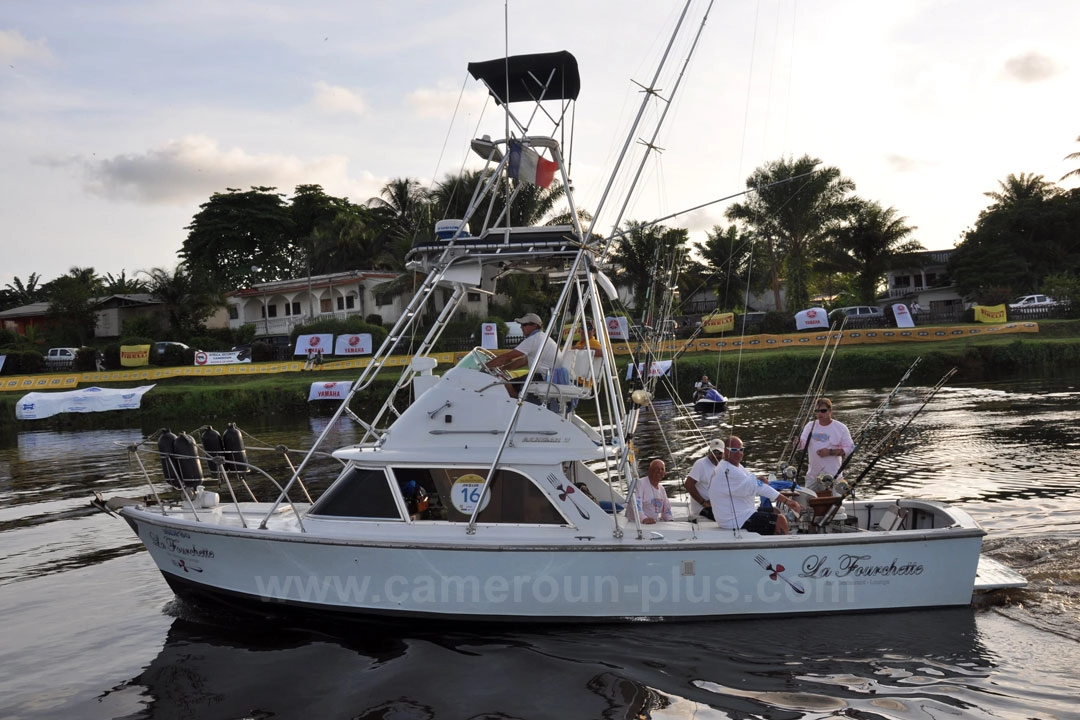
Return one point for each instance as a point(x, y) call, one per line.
point(347, 302)
point(902, 281)
point(382, 299)
point(234, 312)
point(325, 306)
point(292, 308)
point(269, 311)
point(931, 278)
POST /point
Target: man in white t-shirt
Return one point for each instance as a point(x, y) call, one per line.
point(830, 442)
point(651, 497)
point(537, 351)
point(699, 478)
point(734, 492)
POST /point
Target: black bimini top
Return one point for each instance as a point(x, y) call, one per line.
point(543, 76)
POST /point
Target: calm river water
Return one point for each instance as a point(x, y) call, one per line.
point(91, 630)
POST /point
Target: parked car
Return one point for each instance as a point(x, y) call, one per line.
point(160, 347)
point(60, 357)
point(860, 316)
point(1032, 302)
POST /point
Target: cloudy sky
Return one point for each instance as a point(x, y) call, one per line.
point(118, 118)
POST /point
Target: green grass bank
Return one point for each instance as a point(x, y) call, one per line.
point(1054, 352)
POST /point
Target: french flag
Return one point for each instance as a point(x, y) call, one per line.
point(527, 165)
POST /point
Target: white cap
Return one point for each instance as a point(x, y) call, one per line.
point(716, 445)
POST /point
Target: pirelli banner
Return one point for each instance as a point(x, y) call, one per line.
point(856, 337)
point(990, 313)
point(134, 355)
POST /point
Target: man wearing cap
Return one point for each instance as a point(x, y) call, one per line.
point(699, 479)
point(537, 351)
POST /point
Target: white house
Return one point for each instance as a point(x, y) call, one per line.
point(274, 308)
point(928, 284)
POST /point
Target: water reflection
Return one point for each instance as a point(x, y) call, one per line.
point(891, 666)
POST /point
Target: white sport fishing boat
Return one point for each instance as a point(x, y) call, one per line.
point(473, 505)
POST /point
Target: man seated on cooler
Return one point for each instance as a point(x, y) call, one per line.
point(733, 496)
point(651, 497)
point(537, 351)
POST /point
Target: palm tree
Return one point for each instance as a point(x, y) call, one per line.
point(730, 266)
point(1072, 156)
point(187, 302)
point(122, 285)
point(16, 293)
point(874, 239)
point(650, 259)
point(1015, 189)
point(794, 211)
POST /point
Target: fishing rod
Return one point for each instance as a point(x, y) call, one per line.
point(812, 397)
point(886, 442)
point(872, 421)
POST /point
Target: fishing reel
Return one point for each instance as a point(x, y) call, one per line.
point(842, 488)
point(788, 472)
point(826, 480)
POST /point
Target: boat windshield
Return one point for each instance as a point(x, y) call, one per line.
point(475, 359)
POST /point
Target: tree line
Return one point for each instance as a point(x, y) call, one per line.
point(800, 224)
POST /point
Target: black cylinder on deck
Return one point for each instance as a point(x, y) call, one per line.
point(168, 465)
point(187, 459)
point(235, 454)
point(214, 447)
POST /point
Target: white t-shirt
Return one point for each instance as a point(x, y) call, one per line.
point(540, 350)
point(833, 435)
point(702, 471)
point(733, 494)
point(653, 501)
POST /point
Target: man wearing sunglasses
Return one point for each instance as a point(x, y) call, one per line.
point(830, 442)
point(734, 493)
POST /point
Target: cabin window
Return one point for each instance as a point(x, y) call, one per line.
point(361, 493)
point(513, 497)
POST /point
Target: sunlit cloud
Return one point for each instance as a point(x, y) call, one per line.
point(335, 99)
point(14, 48)
point(195, 167)
point(1031, 67)
point(443, 101)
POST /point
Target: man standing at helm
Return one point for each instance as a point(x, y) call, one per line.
point(830, 442)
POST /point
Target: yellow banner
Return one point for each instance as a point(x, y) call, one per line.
point(990, 313)
point(718, 322)
point(134, 355)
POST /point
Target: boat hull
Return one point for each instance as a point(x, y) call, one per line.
point(707, 574)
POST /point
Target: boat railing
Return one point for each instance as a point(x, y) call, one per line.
point(228, 473)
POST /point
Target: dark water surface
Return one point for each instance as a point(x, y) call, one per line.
point(90, 629)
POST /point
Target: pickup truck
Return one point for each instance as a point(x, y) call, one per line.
point(60, 358)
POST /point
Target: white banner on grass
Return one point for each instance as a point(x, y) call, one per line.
point(329, 390)
point(313, 343)
point(618, 328)
point(812, 319)
point(489, 337)
point(352, 344)
point(222, 358)
point(37, 405)
point(902, 315)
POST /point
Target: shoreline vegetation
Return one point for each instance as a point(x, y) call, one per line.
point(1054, 352)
